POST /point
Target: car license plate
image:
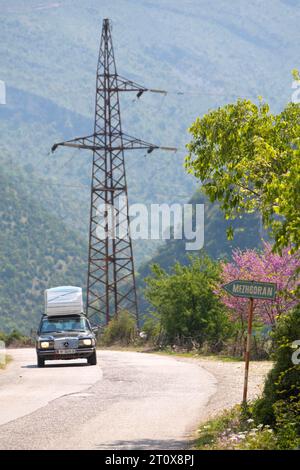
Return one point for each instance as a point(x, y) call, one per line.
point(66, 351)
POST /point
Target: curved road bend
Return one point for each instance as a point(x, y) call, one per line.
point(128, 401)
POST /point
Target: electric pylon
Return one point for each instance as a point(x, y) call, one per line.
point(111, 278)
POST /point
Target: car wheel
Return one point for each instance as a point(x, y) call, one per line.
point(92, 360)
point(40, 362)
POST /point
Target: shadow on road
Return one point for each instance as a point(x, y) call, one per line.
point(148, 444)
point(51, 366)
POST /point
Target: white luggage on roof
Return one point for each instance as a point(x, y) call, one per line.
point(64, 300)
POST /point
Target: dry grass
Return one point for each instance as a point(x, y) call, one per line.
point(8, 359)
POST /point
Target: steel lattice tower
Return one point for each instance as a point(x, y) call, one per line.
point(111, 278)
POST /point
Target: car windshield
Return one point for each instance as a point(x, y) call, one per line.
point(51, 325)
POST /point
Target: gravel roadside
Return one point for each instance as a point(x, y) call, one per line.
point(229, 381)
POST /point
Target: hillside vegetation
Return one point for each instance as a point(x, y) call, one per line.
point(248, 234)
point(37, 251)
point(205, 57)
point(213, 55)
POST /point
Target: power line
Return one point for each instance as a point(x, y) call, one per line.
point(46, 183)
point(203, 93)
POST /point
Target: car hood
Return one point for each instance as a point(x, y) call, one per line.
point(67, 334)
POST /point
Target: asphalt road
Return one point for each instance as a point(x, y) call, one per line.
point(128, 401)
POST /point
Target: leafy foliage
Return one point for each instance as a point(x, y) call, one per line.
point(248, 159)
point(15, 339)
point(48, 64)
point(264, 266)
point(235, 429)
point(216, 245)
point(121, 330)
point(188, 311)
point(48, 61)
point(280, 403)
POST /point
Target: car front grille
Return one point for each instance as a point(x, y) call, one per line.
point(66, 343)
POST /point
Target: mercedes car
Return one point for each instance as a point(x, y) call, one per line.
point(65, 337)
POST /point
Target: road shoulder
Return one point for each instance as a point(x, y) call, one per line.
point(229, 376)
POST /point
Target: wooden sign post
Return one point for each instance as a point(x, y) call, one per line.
point(251, 290)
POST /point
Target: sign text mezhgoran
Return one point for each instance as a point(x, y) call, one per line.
point(251, 289)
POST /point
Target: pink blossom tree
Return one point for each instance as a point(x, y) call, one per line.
point(262, 266)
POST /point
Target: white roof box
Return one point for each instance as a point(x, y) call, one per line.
point(64, 300)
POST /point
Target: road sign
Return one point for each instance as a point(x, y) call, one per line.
point(251, 289)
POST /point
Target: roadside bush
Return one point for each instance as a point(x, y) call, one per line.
point(287, 416)
point(273, 421)
point(188, 312)
point(260, 439)
point(280, 403)
point(235, 429)
point(121, 330)
point(153, 329)
point(15, 339)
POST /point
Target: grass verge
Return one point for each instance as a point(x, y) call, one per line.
point(236, 429)
point(169, 352)
point(196, 355)
point(8, 359)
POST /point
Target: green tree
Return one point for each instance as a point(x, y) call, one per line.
point(184, 302)
point(248, 159)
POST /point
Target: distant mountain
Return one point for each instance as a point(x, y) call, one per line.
point(203, 56)
point(48, 55)
point(37, 251)
point(248, 234)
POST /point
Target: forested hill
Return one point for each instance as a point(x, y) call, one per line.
point(37, 250)
point(204, 56)
point(213, 55)
point(247, 234)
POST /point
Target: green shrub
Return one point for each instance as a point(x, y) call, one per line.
point(283, 381)
point(15, 338)
point(3, 336)
point(153, 329)
point(121, 329)
point(287, 416)
point(188, 312)
point(260, 439)
point(235, 429)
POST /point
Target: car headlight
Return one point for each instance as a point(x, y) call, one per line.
point(87, 342)
point(44, 344)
